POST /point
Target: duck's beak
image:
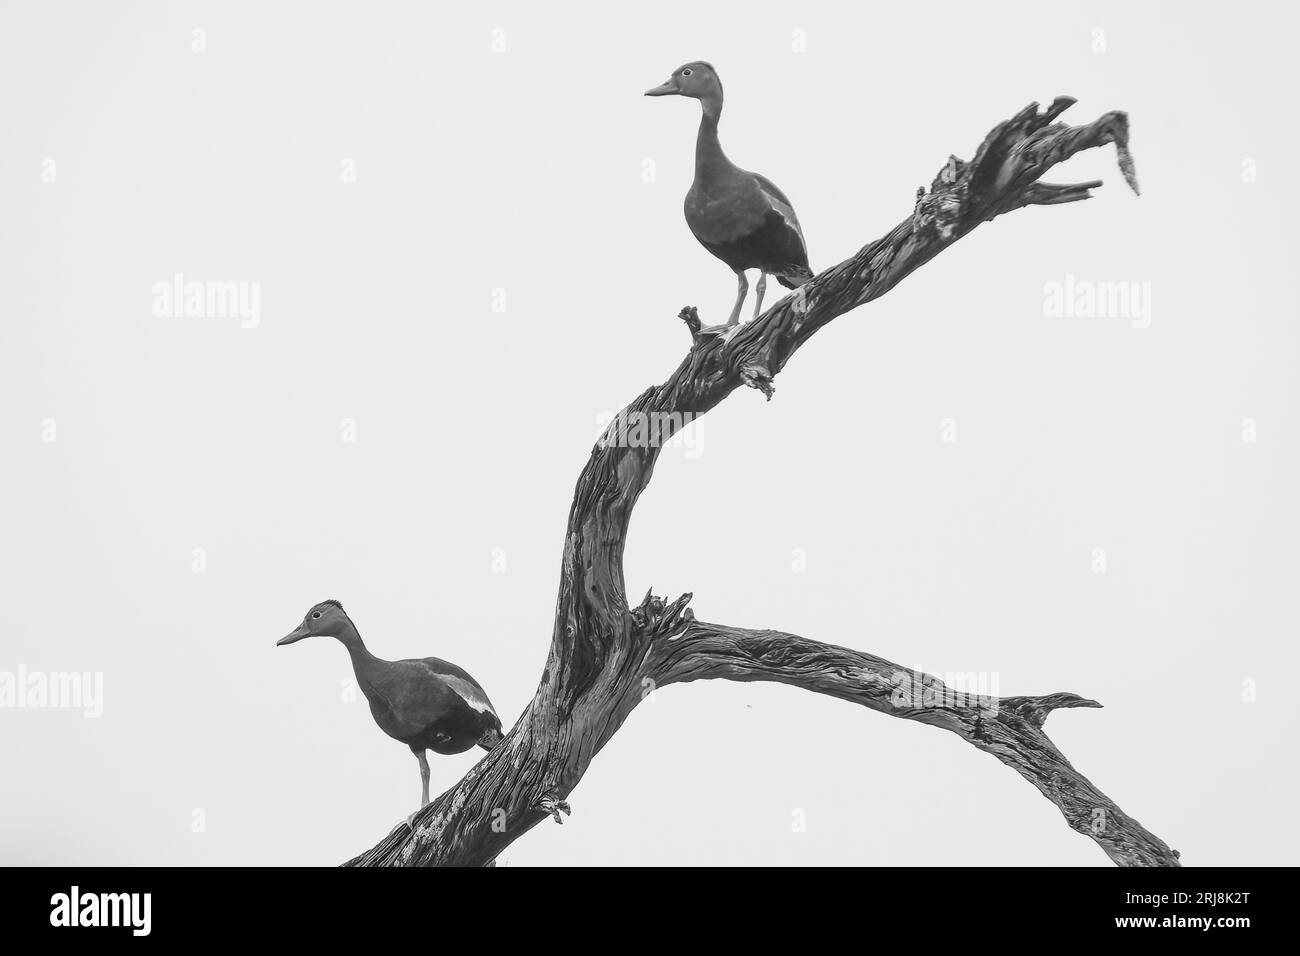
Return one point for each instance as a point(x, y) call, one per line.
point(666, 88)
point(297, 634)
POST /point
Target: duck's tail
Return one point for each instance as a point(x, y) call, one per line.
point(794, 277)
point(491, 737)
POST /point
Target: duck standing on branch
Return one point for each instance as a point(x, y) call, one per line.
point(739, 216)
point(427, 704)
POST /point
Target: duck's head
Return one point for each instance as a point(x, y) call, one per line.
point(697, 79)
point(326, 619)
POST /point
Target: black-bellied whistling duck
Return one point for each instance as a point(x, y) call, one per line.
point(427, 704)
point(739, 216)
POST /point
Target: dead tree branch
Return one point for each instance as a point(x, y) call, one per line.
point(1010, 728)
point(606, 654)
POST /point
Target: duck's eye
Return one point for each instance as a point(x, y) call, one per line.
point(315, 614)
point(686, 72)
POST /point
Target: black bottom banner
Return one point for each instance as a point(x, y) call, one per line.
point(949, 906)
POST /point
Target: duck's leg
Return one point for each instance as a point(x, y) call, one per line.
point(424, 784)
point(760, 289)
point(742, 288)
point(424, 777)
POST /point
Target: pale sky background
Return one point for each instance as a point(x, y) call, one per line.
point(524, 169)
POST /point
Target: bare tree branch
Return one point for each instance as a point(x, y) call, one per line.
point(605, 654)
point(1010, 728)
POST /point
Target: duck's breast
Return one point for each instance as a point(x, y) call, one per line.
point(747, 223)
point(722, 212)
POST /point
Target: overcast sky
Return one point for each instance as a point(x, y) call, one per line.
point(459, 233)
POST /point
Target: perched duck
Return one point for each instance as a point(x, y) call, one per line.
point(427, 704)
point(739, 216)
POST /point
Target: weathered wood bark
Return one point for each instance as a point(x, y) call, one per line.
point(605, 654)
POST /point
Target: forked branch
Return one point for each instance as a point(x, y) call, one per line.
point(605, 653)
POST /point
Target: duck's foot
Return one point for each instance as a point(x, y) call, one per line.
point(724, 332)
point(691, 316)
point(409, 822)
point(553, 807)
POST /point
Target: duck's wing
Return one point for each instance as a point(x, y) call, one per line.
point(457, 679)
point(405, 697)
point(780, 204)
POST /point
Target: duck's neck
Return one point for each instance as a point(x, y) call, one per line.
point(362, 659)
point(708, 151)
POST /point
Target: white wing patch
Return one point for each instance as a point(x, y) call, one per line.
point(469, 693)
point(785, 209)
